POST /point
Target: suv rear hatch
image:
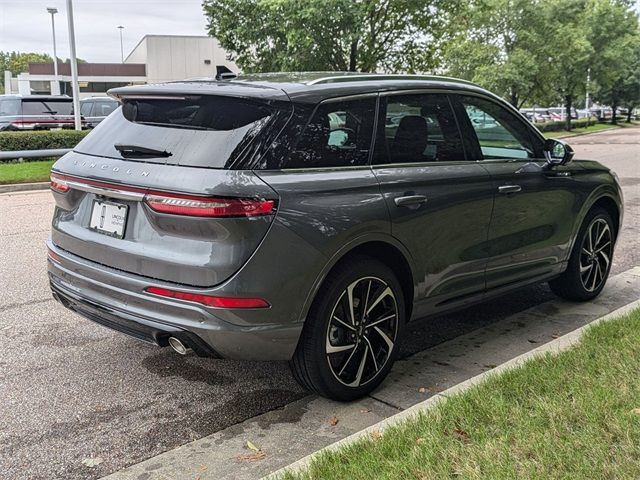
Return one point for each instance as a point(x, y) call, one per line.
point(160, 188)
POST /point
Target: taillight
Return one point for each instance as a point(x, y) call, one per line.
point(194, 206)
point(58, 184)
point(209, 300)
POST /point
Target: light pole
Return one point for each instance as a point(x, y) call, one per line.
point(74, 67)
point(120, 27)
point(53, 11)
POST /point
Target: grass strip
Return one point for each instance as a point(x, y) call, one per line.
point(571, 415)
point(26, 172)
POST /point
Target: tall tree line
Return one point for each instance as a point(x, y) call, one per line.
point(528, 51)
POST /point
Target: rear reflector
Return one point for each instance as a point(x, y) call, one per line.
point(53, 255)
point(58, 184)
point(176, 204)
point(208, 300)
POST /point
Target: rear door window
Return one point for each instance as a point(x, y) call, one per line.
point(418, 128)
point(9, 107)
point(339, 134)
point(46, 107)
point(102, 109)
point(201, 131)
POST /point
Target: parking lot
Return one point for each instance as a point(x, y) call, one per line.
point(71, 390)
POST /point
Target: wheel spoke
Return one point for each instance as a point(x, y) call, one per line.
point(358, 379)
point(380, 320)
point(604, 230)
point(344, 324)
point(350, 299)
point(385, 292)
point(585, 251)
point(366, 299)
point(590, 238)
point(585, 268)
point(347, 362)
point(373, 356)
point(599, 249)
point(605, 257)
point(385, 337)
point(595, 279)
point(338, 348)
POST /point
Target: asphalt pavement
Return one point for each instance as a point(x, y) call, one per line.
point(71, 390)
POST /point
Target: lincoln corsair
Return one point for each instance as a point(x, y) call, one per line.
point(310, 217)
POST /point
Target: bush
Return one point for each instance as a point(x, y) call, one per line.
point(40, 140)
point(557, 126)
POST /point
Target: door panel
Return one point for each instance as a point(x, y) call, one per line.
point(440, 204)
point(530, 229)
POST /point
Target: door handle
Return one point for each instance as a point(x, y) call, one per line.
point(509, 188)
point(410, 200)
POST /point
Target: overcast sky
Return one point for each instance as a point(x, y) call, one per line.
point(25, 25)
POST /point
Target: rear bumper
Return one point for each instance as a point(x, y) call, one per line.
point(117, 301)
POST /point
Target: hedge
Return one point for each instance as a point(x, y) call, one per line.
point(40, 140)
point(560, 125)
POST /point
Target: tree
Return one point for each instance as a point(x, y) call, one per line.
point(588, 35)
point(616, 40)
point(353, 35)
point(500, 45)
point(17, 62)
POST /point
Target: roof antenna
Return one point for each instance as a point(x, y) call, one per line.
point(223, 73)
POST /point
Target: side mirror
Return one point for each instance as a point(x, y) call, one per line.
point(557, 152)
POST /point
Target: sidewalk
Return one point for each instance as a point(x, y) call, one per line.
point(308, 425)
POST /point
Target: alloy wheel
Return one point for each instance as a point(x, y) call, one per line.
point(362, 331)
point(596, 253)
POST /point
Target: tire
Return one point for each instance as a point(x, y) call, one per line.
point(334, 355)
point(590, 261)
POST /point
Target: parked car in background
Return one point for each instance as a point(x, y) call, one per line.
point(96, 109)
point(536, 115)
point(293, 218)
point(35, 112)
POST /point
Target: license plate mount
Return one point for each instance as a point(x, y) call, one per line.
point(109, 218)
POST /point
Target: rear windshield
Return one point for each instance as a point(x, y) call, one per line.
point(207, 131)
point(47, 107)
point(204, 113)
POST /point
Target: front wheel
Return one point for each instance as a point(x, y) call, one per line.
point(350, 338)
point(590, 261)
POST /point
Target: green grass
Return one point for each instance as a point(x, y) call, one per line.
point(598, 127)
point(572, 415)
point(25, 172)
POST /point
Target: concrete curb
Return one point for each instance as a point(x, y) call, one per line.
point(555, 346)
point(22, 187)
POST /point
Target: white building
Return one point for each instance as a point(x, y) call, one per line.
point(177, 57)
point(156, 58)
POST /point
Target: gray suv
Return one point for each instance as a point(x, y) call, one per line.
point(310, 217)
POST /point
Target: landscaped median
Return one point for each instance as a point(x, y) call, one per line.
point(38, 170)
point(573, 414)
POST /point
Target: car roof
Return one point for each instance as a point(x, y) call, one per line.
point(102, 98)
point(35, 97)
point(307, 87)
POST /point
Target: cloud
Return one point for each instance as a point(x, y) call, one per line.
point(25, 25)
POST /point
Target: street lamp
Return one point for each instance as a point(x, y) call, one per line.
point(120, 27)
point(74, 67)
point(53, 11)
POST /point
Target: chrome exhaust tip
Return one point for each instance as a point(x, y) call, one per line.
point(178, 346)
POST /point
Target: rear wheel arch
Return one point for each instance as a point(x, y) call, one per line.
point(383, 251)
